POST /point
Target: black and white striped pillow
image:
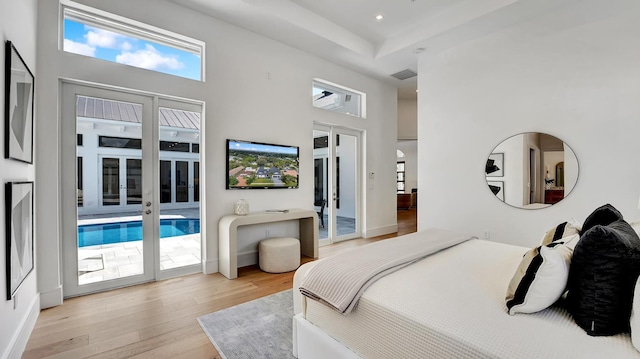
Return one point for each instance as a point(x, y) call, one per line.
point(564, 229)
point(541, 277)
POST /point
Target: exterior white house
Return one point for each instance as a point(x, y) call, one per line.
point(109, 157)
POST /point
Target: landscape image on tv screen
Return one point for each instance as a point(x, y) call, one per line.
point(261, 165)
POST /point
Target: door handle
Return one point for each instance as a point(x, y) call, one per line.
point(148, 204)
point(147, 211)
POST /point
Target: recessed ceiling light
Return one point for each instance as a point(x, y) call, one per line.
point(379, 17)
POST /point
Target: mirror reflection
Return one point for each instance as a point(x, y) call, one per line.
point(531, 170)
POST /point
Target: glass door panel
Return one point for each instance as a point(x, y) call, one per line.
point(110, 182)
point(346, 189)
point(196, 181)
point(79, 179)
point(106, 239)
point(134, 181)
point(179, 226)
point(182, 181)
point(165, 181)
point(320, 181)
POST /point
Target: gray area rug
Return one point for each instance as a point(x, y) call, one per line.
point(260, 328)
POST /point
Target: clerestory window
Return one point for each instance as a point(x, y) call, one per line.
point(95, 33)
point(337, 98)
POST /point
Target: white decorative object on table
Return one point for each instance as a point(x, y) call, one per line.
point(241, 207)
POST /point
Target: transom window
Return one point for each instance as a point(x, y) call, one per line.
point(120, 142)
point(95, 33)
point(174, 146)
point(337, 98)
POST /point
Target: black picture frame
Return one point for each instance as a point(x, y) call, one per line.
point(19, 106)
point(495, 165)
point(19, 223)
point(497, 188)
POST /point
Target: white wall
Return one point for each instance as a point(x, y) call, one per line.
point(571, 73)
point(241, 103)
point(18, 316)
point(407, 119)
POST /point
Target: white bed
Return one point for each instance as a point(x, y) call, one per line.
point(448, 305)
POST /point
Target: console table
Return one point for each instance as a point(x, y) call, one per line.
point(228, 235)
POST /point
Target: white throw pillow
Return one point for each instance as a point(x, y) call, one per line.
point(635, 317)
point(564, 229)
point(541, 277)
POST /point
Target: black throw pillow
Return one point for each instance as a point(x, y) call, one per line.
point(604, 268)
point(603, 215)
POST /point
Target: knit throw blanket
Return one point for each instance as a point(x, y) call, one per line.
point(339, 281)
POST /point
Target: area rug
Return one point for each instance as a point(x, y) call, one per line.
point(260, 328)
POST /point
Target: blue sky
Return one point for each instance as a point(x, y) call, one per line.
point(103, 44)
point(262, 148)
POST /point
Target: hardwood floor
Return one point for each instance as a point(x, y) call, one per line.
point(158, 319)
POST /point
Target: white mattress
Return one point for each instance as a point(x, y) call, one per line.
point(451, 304)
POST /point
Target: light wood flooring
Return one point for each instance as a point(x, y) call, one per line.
point(158, 319)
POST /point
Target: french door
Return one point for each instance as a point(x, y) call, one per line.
point(337, 178)
point(179, 181)
point(121, 182)
point(117, 230)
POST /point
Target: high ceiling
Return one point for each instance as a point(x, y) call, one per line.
point(347, 31)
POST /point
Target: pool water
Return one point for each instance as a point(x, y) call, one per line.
point(108, 233)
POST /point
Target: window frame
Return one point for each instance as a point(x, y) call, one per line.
point(398, 181)
point(129, 27)
point(362, 97)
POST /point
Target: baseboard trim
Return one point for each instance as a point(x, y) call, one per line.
point(247, 258)
point(379, 231)
point(324, 242)
point(52, 298)
point(21, 337)
point(211, 266)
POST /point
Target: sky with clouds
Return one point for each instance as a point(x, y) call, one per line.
point(107, 45)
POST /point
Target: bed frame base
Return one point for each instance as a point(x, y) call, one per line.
point(309, 342)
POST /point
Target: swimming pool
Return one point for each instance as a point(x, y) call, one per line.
point(108, 233)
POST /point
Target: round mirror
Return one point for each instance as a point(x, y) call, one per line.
point(531, 170)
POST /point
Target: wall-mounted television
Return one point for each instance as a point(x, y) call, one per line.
point(256, 165)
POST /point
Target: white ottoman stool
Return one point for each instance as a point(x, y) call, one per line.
point(279, 255)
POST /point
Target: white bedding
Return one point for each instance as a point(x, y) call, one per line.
point(340, 280)
point(451, 304)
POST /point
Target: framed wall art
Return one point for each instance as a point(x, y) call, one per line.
point(19, 93)
point(497, 187)
point(19, 222)
point(495, 165)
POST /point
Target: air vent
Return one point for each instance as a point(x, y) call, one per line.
point(404, 74)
